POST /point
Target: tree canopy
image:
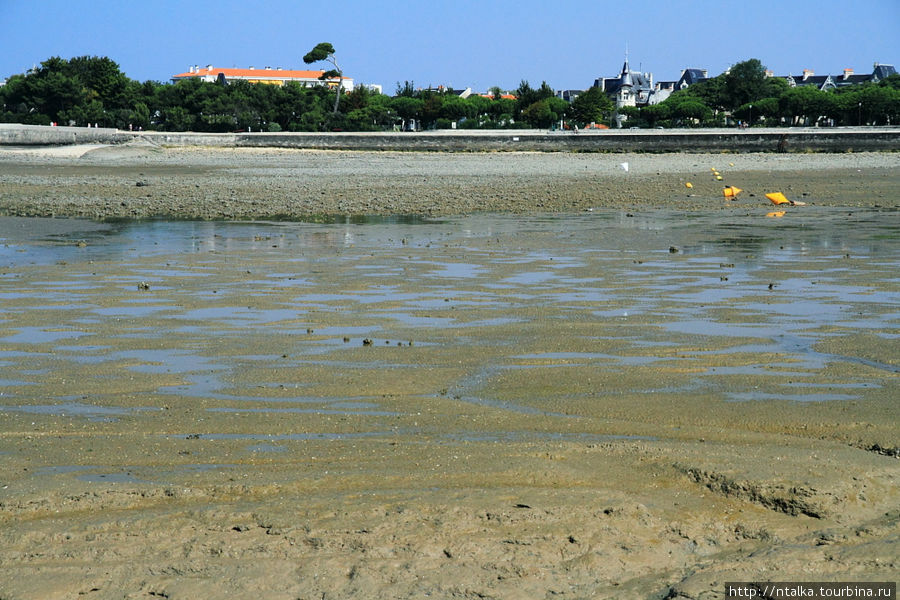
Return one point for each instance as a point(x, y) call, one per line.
point(325, 51)
point(745, 92)
point(93, 90)
point(593, 106)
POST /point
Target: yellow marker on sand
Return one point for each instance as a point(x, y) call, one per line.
point(777, 198)
point(731, 191)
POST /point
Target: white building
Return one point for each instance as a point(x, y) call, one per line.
point(267, 75)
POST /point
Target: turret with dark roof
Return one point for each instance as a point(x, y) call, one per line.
point(882, 72)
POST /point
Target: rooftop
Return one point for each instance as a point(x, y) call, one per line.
point(250, 73)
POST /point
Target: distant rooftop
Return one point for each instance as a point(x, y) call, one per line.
point(266, 74)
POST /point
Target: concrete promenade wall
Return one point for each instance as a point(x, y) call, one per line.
point(849, 139)
point(13, 134)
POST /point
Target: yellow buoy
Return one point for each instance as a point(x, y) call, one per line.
point(689, 185)
point(731, 191)
point(718, 177)
point(777, 198)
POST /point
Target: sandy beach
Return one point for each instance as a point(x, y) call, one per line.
point(444, 406)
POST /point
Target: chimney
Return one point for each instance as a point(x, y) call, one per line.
point(190, 68)
point(209, 67)
point(807, 73)
point(847, 74)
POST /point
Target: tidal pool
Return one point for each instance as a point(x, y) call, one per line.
point(445, 328)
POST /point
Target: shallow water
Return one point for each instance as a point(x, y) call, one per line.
point(374, 320)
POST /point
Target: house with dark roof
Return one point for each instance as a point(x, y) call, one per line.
point(628, 88)
point(879, 72)
point(851, 78)
point(882, 72)
point(568, 95)
point(847, 78)
point(688, 78)
point(809, 78)
point(691, 76)
point(634, 88)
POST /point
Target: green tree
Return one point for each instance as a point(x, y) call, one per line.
point(892, 81)
point(745, 82)
point(690, 110)
point(591, 106)
point(880, 104)
point(102, 79)
point(140, 116)
point(408, 109)
point(656, 113)
point(366, 111)
point(545, 111)
point(710, 92)
point(503, 111)
point(806, 104)
point(632, 115)
point(44, 94)
point(774, 87)
point(325, 51)
point(407, 89)
point(177, 118)
point(538, 114)
point(526, 96)
point(478, 110)
point(764, 108)
point(358, 98)
point(558, 107)
point(455, 108)
point(431, 109)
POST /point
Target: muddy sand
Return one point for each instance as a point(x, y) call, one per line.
point(141, 181)
point(492, 406)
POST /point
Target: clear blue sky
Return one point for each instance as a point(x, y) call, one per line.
point(460, 43)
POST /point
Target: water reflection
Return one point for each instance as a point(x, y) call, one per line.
point(232, 310)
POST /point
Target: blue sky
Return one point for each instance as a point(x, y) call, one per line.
point(459, 43)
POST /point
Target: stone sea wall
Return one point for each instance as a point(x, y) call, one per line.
point(850, 139)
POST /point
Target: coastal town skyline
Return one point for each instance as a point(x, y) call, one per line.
point(466, 44)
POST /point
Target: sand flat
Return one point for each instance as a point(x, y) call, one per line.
point(647, 399)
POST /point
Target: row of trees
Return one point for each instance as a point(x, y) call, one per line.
point(744, 92)
point(94, 90)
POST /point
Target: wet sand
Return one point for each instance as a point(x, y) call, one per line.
point(524, 422)
point(142, 181)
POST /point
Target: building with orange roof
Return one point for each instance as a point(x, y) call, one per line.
point(504, 96)
point(268, 75)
